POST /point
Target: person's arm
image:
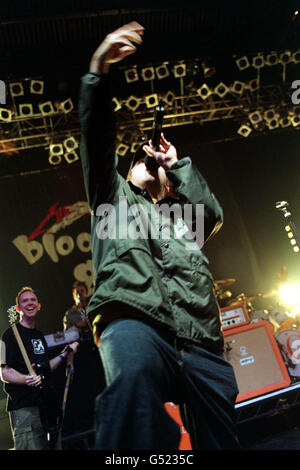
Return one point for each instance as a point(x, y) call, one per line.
point(10, 375)
point(61, 358)
point(97, 146)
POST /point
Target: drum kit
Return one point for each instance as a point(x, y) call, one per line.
point(285, 322)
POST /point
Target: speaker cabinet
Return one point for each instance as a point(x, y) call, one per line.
point(256, 359)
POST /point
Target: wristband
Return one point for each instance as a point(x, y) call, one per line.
point(63, 358)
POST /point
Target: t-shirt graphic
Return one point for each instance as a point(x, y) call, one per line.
point(38, 347)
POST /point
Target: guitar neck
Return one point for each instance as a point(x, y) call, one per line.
point(31, 371)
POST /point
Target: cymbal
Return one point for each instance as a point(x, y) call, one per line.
point(243, 298)
point(222, 284)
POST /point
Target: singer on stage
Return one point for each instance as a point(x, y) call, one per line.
point(157, 320)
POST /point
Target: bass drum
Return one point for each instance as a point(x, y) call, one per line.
point(289, 343)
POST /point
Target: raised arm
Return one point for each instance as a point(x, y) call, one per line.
point(96, 114)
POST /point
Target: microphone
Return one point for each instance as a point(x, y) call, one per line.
point(150, 162)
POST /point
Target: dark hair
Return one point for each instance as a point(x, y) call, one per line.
point(24, 289)
point(80, 283)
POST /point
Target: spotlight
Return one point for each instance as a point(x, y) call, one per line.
point(289, 294)
point(296, 56)
point(131, 75)
point(37, 87)
point(271, 59)
point(221, 90)
point(56, 149)
point(71, 157)
point(179, 70)
point(117, 104)
point(258, 62)
point(16, 89)
point(26, 110)
point(244, 130)
point(255, 117)
point(273, 123)
point(66, 106)
point(134, 146)
point(70, 143)
point(270, 114)
point(208, 69)
point(46, 108)
point(151, 100)
point(295, 120)
point(237, 87)
point(122, 149)
point(204, 91)
point(54, 159)
point(253, 84)
point(5, 114)
point(242, 63)
point(132, 103)
point(162, 71)
point(285, 121)
point(285, 57)
point(169, 98)
point(148, 73)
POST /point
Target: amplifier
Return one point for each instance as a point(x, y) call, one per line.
point(235, 315)
point(256, 359)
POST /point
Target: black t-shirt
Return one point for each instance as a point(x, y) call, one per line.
point(20, 396)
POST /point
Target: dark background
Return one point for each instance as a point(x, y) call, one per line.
point(55, 40)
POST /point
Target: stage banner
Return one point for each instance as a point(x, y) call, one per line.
point(45, 241)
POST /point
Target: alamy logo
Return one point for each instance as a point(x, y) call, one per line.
point(296, 94)
point(2, 92)
point(135, 221)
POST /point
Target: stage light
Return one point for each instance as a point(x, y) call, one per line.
point(295, 120)
point(122, 149)
point(134, 146)
point(54, 159)
point(117, 104)
point(242, 63)
point(162, 71)
point(131, 75)
point(37, 87)
point(56, 149)
point(71, 157)
point(151, 100)
point(258, 62)
point(221, 90)
point(270, 114)
point(285, 121)
point(148, 73)
point(271, 59)
point(272, 124)
point(132, 103)
point(70, 143)
point(208, 69)
point(66, 106)
point(244, 130)
point(237, 87)
point(16, 89)
point(5, 114)
point(179, 70)
point(285, 57)
point(169, 98)
point(26, 110)
point(296, 56)
point(255, 117)
point(252, 85)
point(204, 91)
point(289, 294)
point(46, 108)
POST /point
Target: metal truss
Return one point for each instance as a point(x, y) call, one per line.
point(38, 130)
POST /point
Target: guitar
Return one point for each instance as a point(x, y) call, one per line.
point(50, 411)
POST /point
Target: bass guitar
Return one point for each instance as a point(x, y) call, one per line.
point(50, 411)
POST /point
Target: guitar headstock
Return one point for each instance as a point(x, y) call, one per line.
point(13, 315)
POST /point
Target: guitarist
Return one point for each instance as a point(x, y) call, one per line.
point(20, 385)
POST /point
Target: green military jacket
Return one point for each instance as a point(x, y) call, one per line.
point(153, 267)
